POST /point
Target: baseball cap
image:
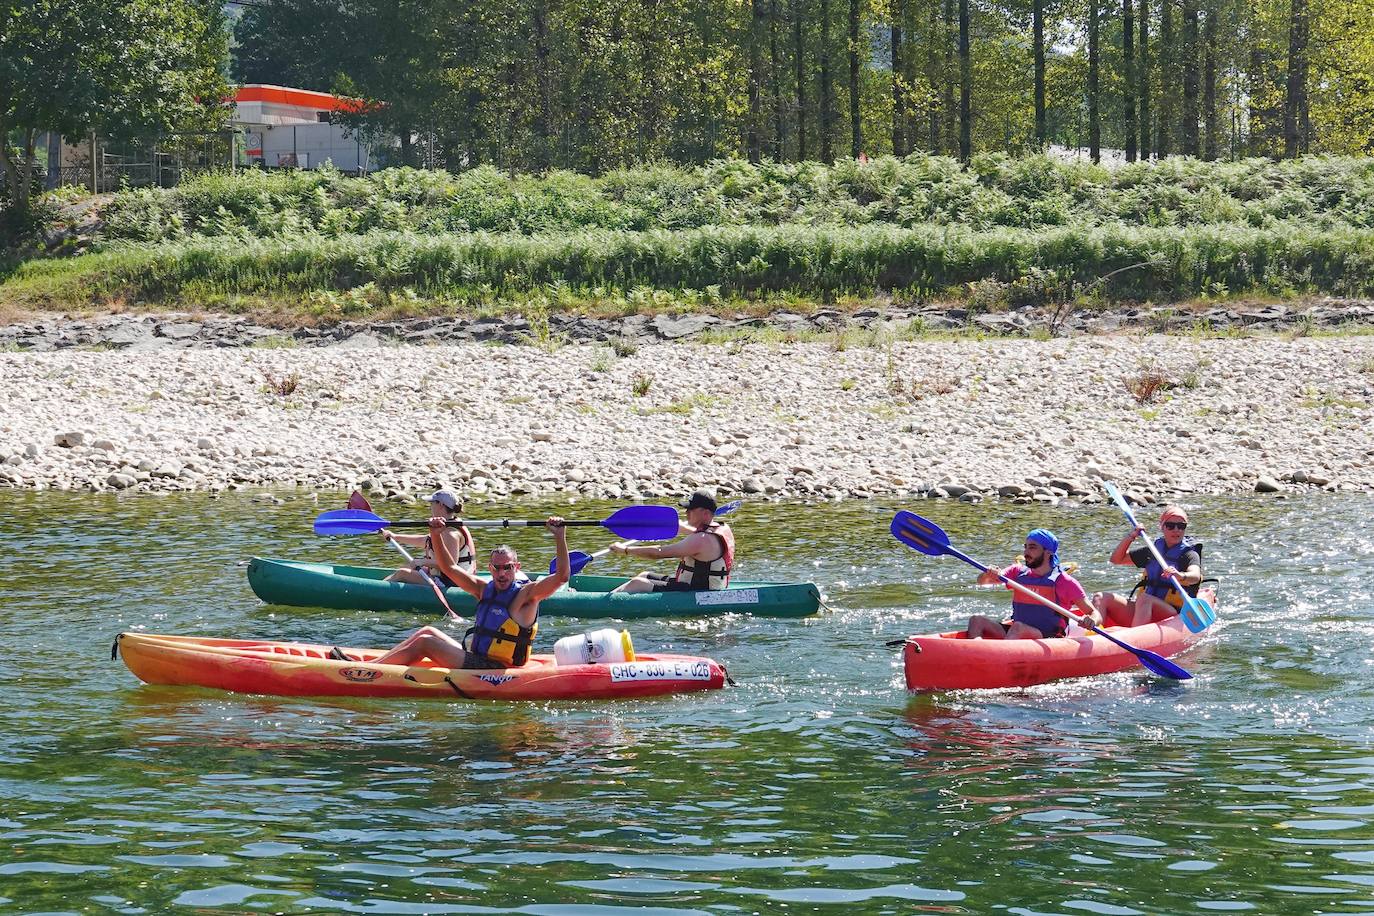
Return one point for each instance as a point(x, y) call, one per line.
point(701, 499)
point(446, 498)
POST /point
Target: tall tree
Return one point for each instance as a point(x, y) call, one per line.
point(1295, 99)
point(1143, 80)
point(855, 124)
point(799, 63)
point(827, 88)
point(775, 83)
point(1128, 75)
point(1168, 69)
point(752, 143)
point(126, 70)
point(1094, 123)
point(1190, 78)
point(1209, 82)
point(1038, 65)
point(898, 79)
point(965, 85)
point(950, 111)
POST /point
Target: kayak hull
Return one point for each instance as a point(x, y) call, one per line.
point(949, 661)
point(303, 669)
point(363, 588)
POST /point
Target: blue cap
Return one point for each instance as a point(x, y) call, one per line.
point(1046, 539)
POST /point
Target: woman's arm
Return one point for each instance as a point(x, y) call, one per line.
point(444, 560)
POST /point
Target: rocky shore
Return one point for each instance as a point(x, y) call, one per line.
point(181, 331)
point(1018, 419)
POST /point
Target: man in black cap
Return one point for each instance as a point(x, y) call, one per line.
point(705, 555)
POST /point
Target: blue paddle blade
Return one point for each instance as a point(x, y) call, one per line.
point(349, 521)
point(644, 523)
point(1157, 663)
point(729, 507)
point(577, 561)
point(1197, 613)
point(919, 533)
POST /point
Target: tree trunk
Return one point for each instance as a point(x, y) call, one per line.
point(1190, 78)
point(933, 46)
point(542, 124)
point(1142, 79)
point(800, 52)
point(775, 83)
point(965, 86)
point(1168, 70)
point(1209, 85)
point(898, 90)
point(752, 129)
point(1295, 98)
point(827, 88)
point(951, 142)
point(1038, 55)
point(855, 131)
point(1094, 126)
point(17, 189)
point(1128, 76)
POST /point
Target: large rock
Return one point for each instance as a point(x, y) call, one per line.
point(671, 328)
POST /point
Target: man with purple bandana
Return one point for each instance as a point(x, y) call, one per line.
point(1041, 573)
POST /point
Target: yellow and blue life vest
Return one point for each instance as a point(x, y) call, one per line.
point(494, 634)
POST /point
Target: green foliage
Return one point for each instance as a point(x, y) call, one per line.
point(920, 190)
point(123, 70)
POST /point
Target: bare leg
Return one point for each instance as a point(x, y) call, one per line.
point(406, 575)
point(636, 586)
point(426, 642)
point(980, 627)
point(1149, 608)
point(1115, 610)
point(1019, 630)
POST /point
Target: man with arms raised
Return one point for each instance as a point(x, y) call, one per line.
point(705, 556)
point(507, 615)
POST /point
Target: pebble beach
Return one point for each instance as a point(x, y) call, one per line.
point(1015, 419)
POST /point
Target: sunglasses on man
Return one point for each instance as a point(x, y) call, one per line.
point(1175, 526)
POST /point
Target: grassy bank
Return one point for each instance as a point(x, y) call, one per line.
point(1000, 232)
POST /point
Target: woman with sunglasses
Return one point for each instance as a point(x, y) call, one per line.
point(1158, 599)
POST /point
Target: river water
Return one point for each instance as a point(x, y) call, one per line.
point(816, 784)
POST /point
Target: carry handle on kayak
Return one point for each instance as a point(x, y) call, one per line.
point(1196, 612)
point(927, 537)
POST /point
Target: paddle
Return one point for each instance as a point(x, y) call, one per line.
point(925, 536)
point(359, 501)
point(646, 523)
point(577, 560)
point(1197, 614)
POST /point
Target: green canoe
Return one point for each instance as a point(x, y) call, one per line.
point(364, 589)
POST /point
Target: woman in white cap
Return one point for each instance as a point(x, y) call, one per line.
point(458, 540)
point(1158, 599)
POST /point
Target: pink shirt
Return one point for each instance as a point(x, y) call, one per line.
point(1066, 587)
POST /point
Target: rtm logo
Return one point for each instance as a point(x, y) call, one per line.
point(362, 675)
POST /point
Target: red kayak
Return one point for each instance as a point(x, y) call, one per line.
point(951, 661)
point(302, 669)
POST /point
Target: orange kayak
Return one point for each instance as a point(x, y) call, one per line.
point(950, 661)
point(301, 669)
